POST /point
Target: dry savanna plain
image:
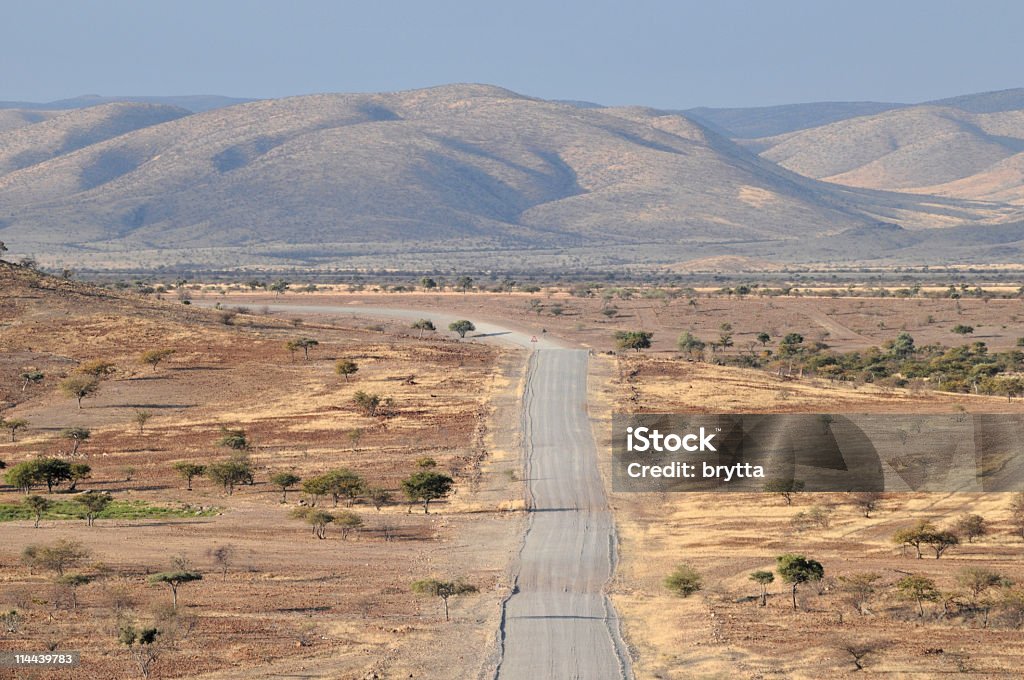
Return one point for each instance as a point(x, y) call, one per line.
point(284, 603)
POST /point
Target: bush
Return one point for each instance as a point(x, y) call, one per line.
point(684, 581)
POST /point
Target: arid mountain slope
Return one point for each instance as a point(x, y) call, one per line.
point(466, 168)
point(56, 135)
point(901, 149)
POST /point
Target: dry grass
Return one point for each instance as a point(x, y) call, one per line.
point(336, 608)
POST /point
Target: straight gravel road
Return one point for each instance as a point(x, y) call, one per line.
point(558, 623)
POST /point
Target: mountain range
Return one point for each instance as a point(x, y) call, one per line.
point(475, 176)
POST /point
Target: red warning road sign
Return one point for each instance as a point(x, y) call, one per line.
point(533, 339)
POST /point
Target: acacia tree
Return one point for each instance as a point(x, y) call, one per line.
point(796, 569)
point(867, 501)
point(305, 344)
point(684, 581)
point(94, 502)
point(635, 340)
point(443, 590)
point(79, 471)
point(345, 368)
point(423, 325)
point(347, 521)
point(916, 535)
point(367, 403)
point(22, 476)
point(141, 418)
point(76, 435)
point(142, 645)
point(31, 378)
point(188, 471)
point(426, 486)
point(174, 580)
point(57, 557)
point(14, 424)
point(971, 527)
point(285, 480)
point(860, 588)
point(51, 471)
point(236, 440)
point(230, 473)
point(785, 488)
point(920, 589)
point(79, 387)
point(462, 326)
point(763, 579)
point(378, 496)
point(318, 519)
point(154, 357)
point(38, 505)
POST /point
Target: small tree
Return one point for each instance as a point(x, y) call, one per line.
point(285, 480)
point(367, 403)
point(971, 527)
point(785, 488)
point(222, 556)
point(867, 501)
point(635, 340)
point(52, 472)
point(941, 541)
point(860, 588)
point(797, 569)
point(919, 589)
point(345, 368)
point(79, 387)
point(426, 486)
point(378, 496)
point(979, 579)
point(230, 473)
point(79, 471)
point(305, 344)
point(764, 338)
point(426, 463)
point(684, 581)
point(316, 488)
point(38, 505)
point(174, 580)
point(98, 369)
point(443, 590)
point(236, 440)
point(188, 471)
point(141, 644)
point(961, 329)
point(77, 435)
point(763, 579)
point(14, 424)
point(464, 283)
point(154, 357)
point(57, 557)
point(916, 535)
point(347, 521)
point(690, 344)
point(423, 325)
point(1017, 513)
point(22, 475)
point(462, 326)
point(94, 502)
point(141, 418)
point(318, 519)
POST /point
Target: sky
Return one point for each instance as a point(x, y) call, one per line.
point(666, 54)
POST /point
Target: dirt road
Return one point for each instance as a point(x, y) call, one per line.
point(558, 623)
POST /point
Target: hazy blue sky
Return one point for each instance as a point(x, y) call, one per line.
point(665, 54)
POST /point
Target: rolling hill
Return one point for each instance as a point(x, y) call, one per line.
point(453, 176)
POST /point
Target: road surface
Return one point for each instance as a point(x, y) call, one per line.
point(558, 624)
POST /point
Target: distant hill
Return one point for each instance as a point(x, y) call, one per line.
point(61, 133)
point(768, 121)
point(450, 171)
point(474, 176)
point(985, 102)
point(191, 102)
